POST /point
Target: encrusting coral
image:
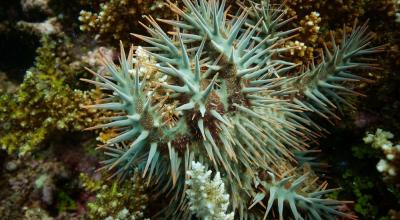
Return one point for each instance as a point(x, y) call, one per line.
point(236, 106)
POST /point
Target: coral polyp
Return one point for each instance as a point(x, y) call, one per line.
point(215, 89)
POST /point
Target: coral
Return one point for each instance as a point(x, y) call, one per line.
point(207, 198)
point(43, 104)
point(125, 201)
point(298, 50)
point(333, 15)
point(309, 27)
point(56, 59)
point(379, 139)
point(301, 49)
point(349, 10)
point(353, 164)
point(93, 57)
point(116, 19)
point(388, 166)
point(29, 118)
point(36, 5)
point(237, 107)
point(47, 27)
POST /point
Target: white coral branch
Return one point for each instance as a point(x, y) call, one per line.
point(207, 198)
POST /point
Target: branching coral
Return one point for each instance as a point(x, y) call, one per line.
point(108, 23)
point(236, 106)
point(36, 5)
point(43, 103)
point(48, 27)
point(302, 47)
point(329, 10)
point(389, 166)
point(207, 198)
point(27, 122)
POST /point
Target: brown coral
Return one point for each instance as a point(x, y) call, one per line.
point(116, 19)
